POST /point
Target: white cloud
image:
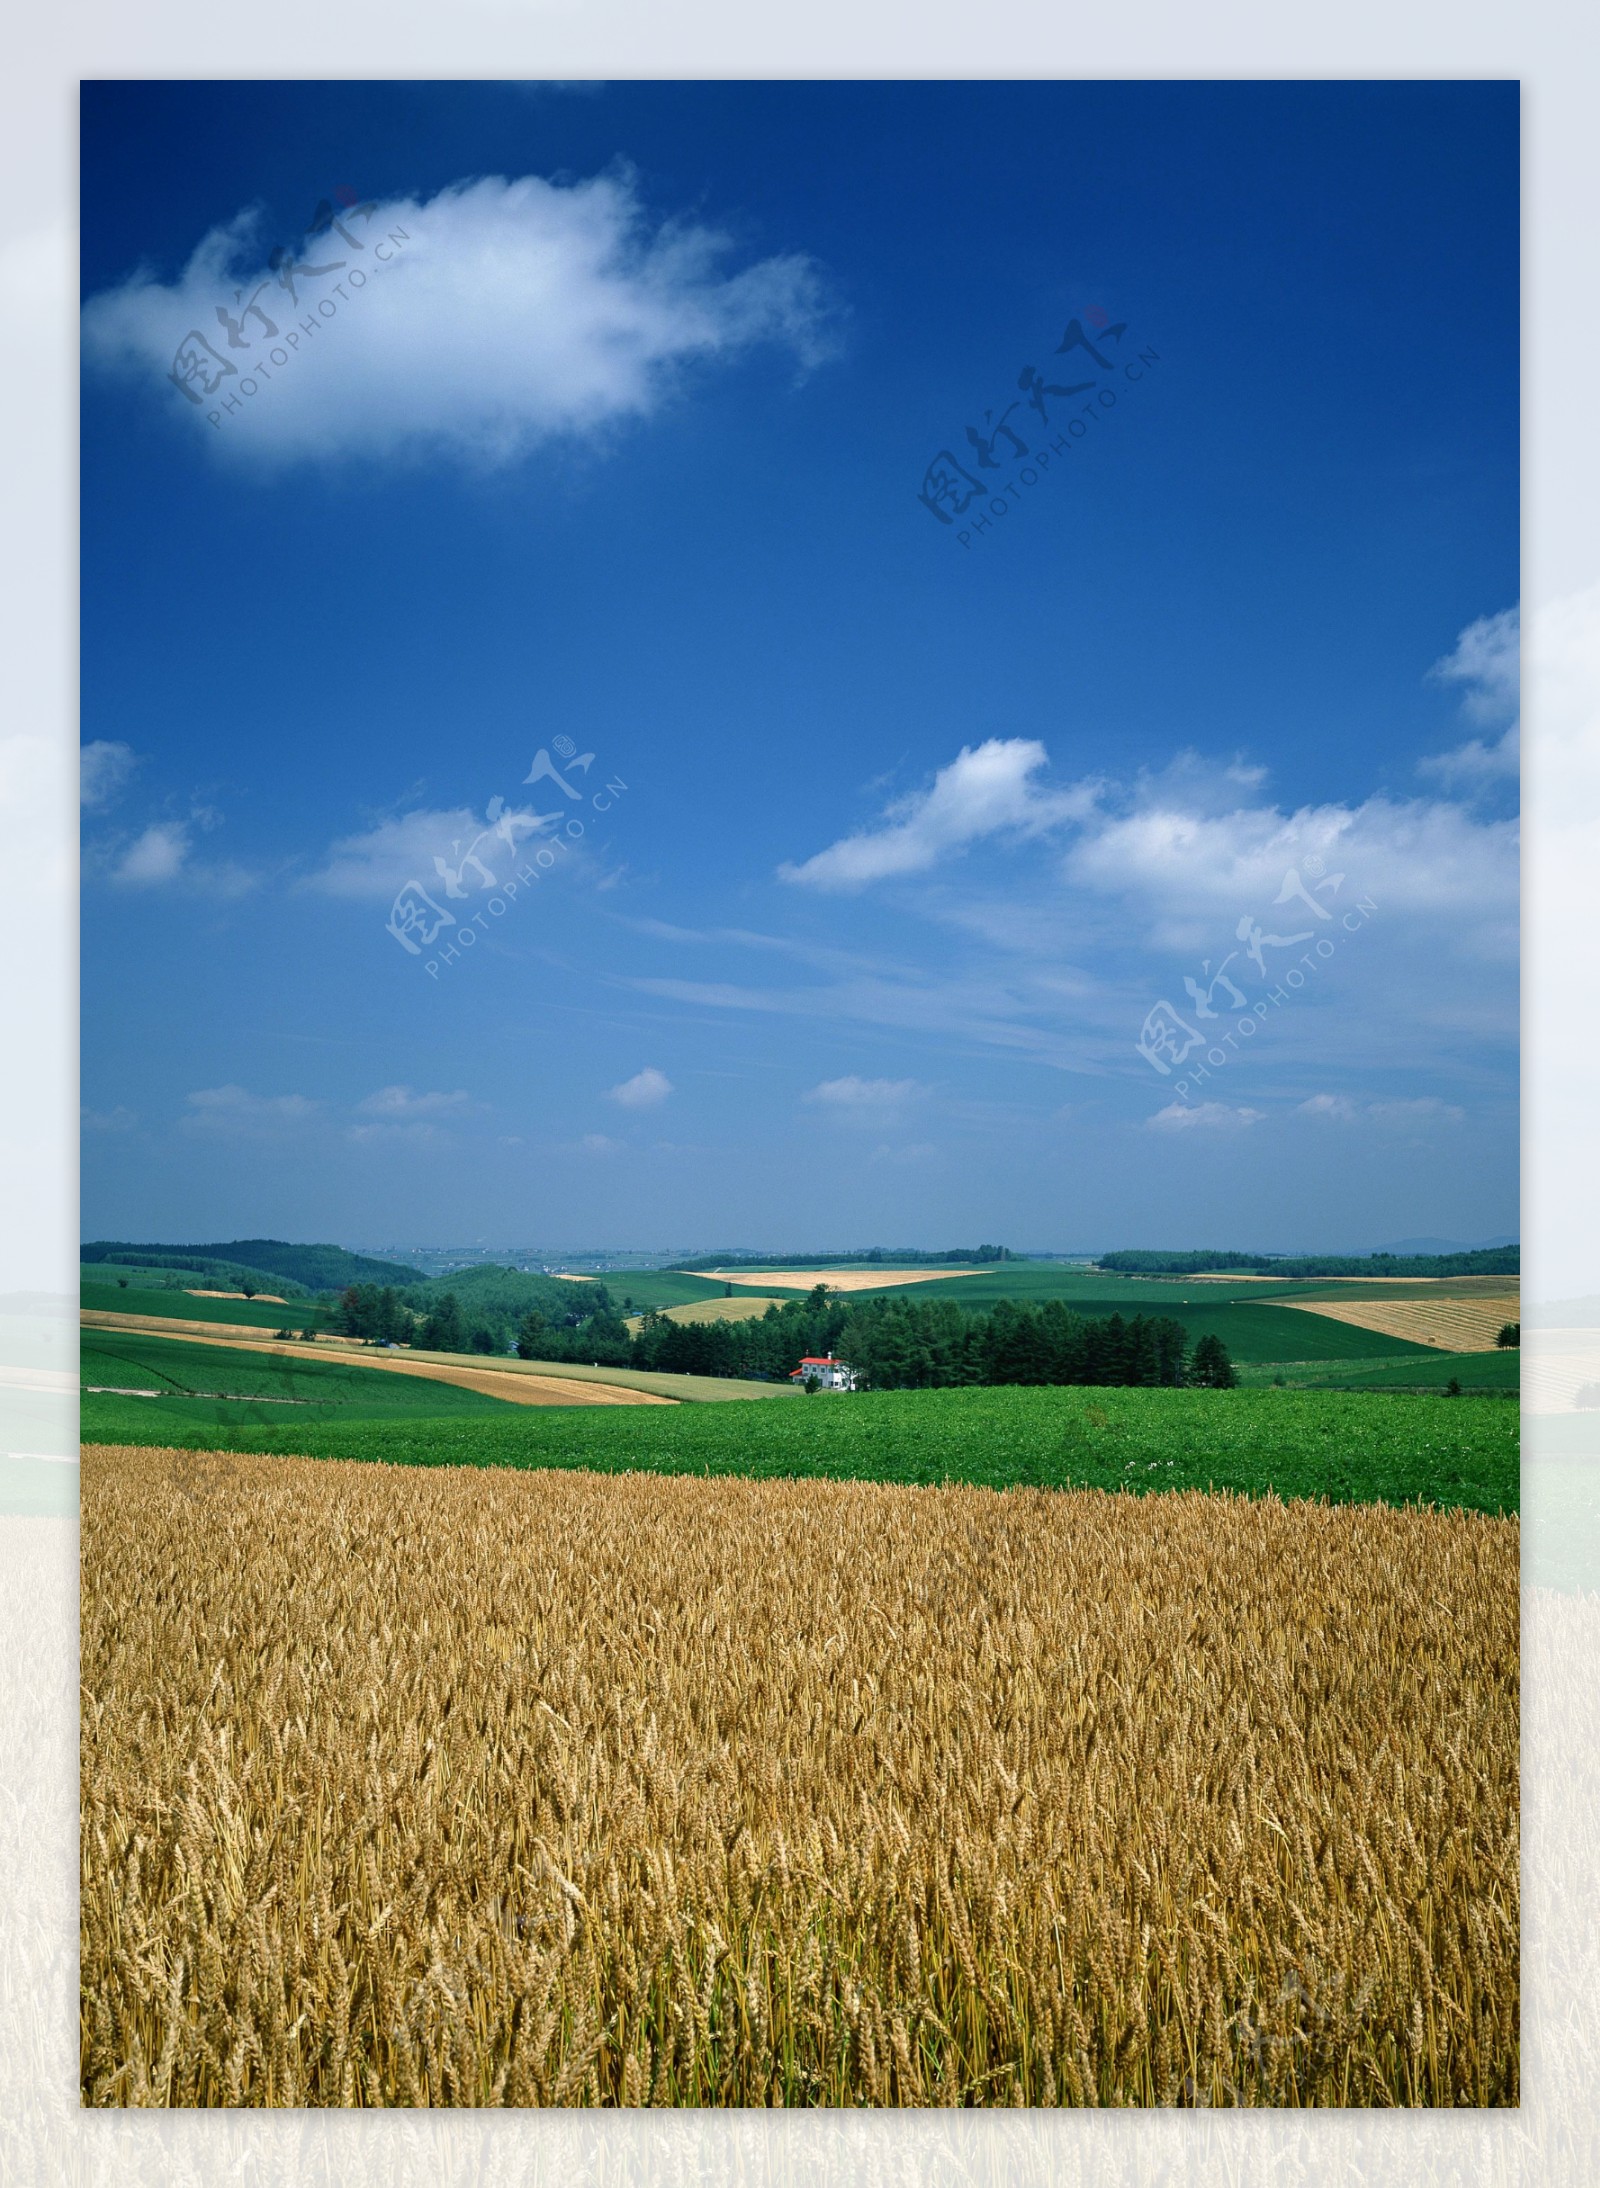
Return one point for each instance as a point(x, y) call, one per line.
point(596, 1143)
point(231, 1112)
point(1487, 660)
point(409, 847)
point(1414, 854)
point(986, 790)
point(512, 313)
point(1203, 1117)
point(103, 767)
point(155, 856)
point(1334, 1108)
point(402, 1102)
point(643, 1091)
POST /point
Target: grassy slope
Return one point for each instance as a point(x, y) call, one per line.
point(184, 1307)
point(662, 1288)
point(1348, 1447)
point(324, 1391)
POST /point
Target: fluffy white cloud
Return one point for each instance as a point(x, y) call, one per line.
point(155, 856)
point(412, 847)
point(103, 767)
point(1203, 1117)
point(987, 790)
point(501, 314)
point(1414, 854)
point(645, 1090)
point(596, 1143)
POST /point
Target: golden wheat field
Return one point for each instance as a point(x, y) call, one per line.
point(471, 1786)
point(1456, 1325)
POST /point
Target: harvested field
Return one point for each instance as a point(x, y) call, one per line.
point(464, 1787)
point(738, 1309)
point(1454, 1325)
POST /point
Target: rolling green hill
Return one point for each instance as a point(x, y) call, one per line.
point(318, 1268)
point(231, 1276)
point(298, 1313)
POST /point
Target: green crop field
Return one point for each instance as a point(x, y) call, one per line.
point(1501, 1371)
point(1086, 1291)
point(301, 1313)
point(258, 1390)
point(1347, 1447)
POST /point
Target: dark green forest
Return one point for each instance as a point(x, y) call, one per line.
point(892, 1342)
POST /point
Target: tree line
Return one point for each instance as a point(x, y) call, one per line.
point(893, 1343)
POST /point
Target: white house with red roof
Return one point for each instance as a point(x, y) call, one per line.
point(825, 1371)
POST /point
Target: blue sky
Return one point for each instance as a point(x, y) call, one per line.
point(616, 458)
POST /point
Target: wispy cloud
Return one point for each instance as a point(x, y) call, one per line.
point(1204, 1117)
point(516, 312)
point(647, 1089)
point(156, 856)
point(232, 1112)
point(403, 1102)
point(987, 790)
point(1487, 662)
point(103, 769)
point(107, 1120)
point(1422, 1109)
point(376, 864)
point(856, 1101)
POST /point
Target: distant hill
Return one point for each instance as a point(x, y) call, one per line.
point(1484, 1261)
point(503, 1296)
point(317, 1268)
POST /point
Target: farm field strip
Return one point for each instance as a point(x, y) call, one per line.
point(346, 1352)
point(1343, 1446)
point(741, 1308)
point(477, 1788)
point(1454, 1325)
point(510, 1383)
